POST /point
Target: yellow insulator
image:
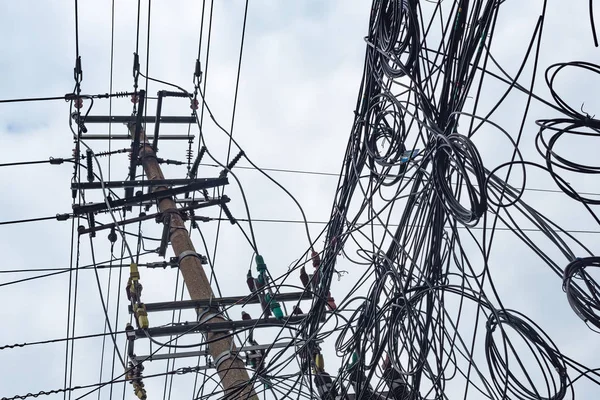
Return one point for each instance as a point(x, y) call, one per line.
point(140, 392)
point(141, 315)
point(134, 274)
point(320, 362)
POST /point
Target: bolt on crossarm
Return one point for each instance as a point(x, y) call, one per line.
point(231, 370)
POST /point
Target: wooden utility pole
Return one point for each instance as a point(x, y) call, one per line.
point(232, 371)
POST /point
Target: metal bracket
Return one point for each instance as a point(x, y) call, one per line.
point(198, 185)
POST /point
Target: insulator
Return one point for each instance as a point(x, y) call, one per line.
point(260, 263)
point(250, 281)
point(112, 236)
point(90, 165)
point(316, 259)
point(92, 223)
point(135, 98)
point(108, 153)
point(331, 301)
point(121, 94)
point(264, 305)
point(324, 386)
point(194, 169)
point(274, 305)
point(136, 65)
point(194, 104)
point(78, 103)
point(228, 214)
point(259, 282)
point(141, 315)
point(246, 316)
point(235, 160)
point(319, 362)
point(198, 70)
point(304, 277)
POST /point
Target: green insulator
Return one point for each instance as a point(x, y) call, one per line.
point(260, 263)
point(274, 305)
point(262, 280)
point(353, 360)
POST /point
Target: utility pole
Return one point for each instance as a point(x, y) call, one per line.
point(221, 347)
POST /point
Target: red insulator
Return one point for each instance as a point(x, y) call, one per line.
point(135, 98)
point(250, 282)
point(194, 105)
point(304, 277)
point(316, 260)
point(331, 301)
point(245, 316)
point(78, 103)
point(128, 291)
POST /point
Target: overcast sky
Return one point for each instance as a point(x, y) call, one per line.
point(301, 70)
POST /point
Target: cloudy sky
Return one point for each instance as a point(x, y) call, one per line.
point(301, 69)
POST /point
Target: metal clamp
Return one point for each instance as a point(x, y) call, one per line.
point(227, 354)
point(208, 315)
point(190, 253)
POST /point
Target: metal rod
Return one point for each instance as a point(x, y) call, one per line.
point(202, 353)
point(161, 192)
point(128, 137)
point(217, 327)
point(219, 301)
point(136, 183)
point(212, 202)
point(157, 123)
point(129, 119)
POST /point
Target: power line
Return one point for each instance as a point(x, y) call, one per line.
point(53, 161)
point(290, 221)
point(337, 175)
point(58, 217)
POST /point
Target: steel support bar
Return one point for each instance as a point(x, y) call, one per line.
point(129, 119)
point(219, 301)
point(202, 353)
point(161, 194)
point(199, 205)
point(224, 326)
point(136, 183)
point(128, 137)
point(157, 123)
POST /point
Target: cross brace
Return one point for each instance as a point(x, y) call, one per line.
point(222, 301)
point(226, 326)
point(200, 184)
